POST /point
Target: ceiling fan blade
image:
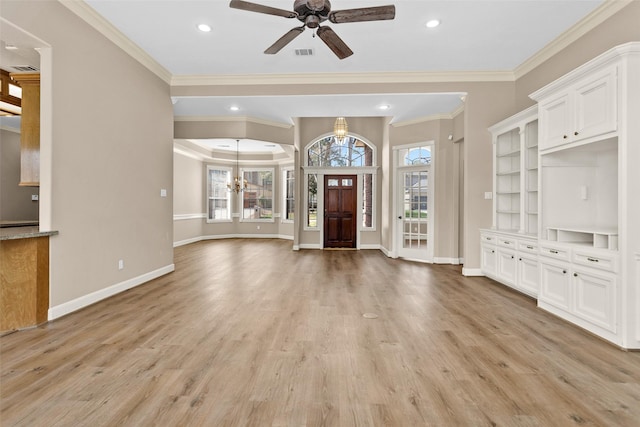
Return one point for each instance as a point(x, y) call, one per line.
point(378, 13)
point(254, 7)
point(284, 40)
point(335, 43)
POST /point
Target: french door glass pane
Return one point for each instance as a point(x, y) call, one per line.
point(415, 212)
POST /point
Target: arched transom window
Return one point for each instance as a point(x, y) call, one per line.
point(415, 156)
point(348, 152)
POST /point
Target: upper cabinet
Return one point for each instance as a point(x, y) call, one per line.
point(29, 129)
point(584, 109)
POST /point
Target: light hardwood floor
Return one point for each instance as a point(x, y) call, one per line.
point(249, 332)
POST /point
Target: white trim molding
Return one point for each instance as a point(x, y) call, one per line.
point(241, 119)
point(603, 12)
point(446, 260)
point(183, 217)
point(104, 27)
point(92, 298)
point(470, 272)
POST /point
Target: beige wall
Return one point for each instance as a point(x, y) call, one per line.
point(15, 201)
point(188, 197)
point(111, 153)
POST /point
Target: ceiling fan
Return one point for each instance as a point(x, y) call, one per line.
point(313, 12)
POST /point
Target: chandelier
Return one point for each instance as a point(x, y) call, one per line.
point(239, 185)
point(340, 129)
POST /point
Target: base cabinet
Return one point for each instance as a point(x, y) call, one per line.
point(528, 275)
point(511, 259)
point(586, 296)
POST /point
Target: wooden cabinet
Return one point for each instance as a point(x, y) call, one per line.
point(29, 129)
point(582, 110)
point(515, 173)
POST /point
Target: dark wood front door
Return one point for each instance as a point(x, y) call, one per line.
point(340, 201)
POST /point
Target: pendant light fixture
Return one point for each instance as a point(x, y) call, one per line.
point(340, 129)
point(239, 184)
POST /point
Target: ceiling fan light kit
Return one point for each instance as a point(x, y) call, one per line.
point(314, 12)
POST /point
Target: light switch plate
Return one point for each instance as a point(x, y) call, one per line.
point(163, 192)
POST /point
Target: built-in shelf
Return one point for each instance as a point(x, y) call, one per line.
point(511, 172)
point(603, 238)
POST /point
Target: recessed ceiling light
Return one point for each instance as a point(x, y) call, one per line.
point(204, 28)
point(433, 23)
point(384, 107)
point(234, 108)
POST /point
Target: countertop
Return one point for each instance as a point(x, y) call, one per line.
point(10, 233)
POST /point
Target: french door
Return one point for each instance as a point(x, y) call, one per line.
point(414, 225)
point(340, 215)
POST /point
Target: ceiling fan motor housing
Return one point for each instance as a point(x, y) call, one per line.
point(306, 9)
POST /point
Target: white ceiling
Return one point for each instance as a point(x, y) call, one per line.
point(474, 36)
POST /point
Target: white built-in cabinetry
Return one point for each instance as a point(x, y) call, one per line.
point(509, 248)
point(579, 190)
point(589, 202)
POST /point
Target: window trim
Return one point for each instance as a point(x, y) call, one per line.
point(273, 196)
point(229, 201)
point(374, 151)
point(283, 215)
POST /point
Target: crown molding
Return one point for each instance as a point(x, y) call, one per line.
point(588, 23)
point(104, 27)
point(232, 119)
point(342, 78)
point(424, 119)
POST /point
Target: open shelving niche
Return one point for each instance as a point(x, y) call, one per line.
point(580, 195)
point(516, 173)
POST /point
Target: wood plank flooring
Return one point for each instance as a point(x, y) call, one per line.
point(251, 333)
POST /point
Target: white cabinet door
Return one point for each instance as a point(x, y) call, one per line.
point(554, 122)
point(595, 298)
point(507, 266)
point(584, 110)
point(488, 260)
point(528, 276)
point(595, 106)
point(555, 285)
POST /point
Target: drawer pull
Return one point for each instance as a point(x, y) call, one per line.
point(553, 251)
point(575, 274)
point(564, 137)
point(493, 252)
point(506, 243)
point(519, 259)
point(593, 259)
point(575, 133)
point(512, 257)
point(529, 247)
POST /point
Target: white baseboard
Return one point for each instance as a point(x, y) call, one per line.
point(231, 236)
point(92, 298)
point(370, 246)
point(186, 242)
point(385, 251)
point(471, 272)
point(310, 246)
point(445, 260)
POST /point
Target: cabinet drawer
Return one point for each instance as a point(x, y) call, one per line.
point(555, 252)
point(530, 247)
point(606, 262)
point(490, 239)
point(507, 243)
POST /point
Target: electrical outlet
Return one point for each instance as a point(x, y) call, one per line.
point(120, 264)
point(257, 227)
